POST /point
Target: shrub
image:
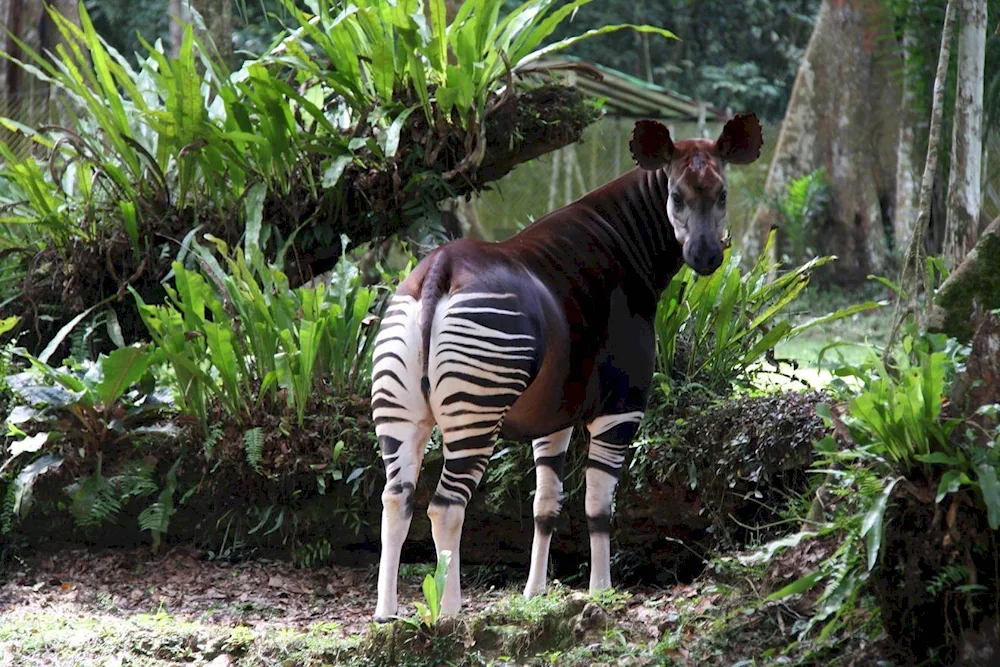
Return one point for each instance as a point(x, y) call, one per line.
point(242, 336)
point(716, 330)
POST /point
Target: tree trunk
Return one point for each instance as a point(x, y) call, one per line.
point(23, 96)
point(175, 14)
point(218, 19)
point(974, 285)
point(10, 19)
point(964, 186)
point(907, 192)
point(843, 117)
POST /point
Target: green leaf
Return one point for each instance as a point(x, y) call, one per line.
point(938, 457)
point(800, 585)
point(872, 526)
point(392, 134)
point(334, 170)
point(990, 488)
point(65, 331)
point(28, 445)
point(8, 323)
point(122, 368)
point(131, 222)
point(951, 481)
point(25, 481)
point(253, 208)
point(433, 601)
point(565, 43)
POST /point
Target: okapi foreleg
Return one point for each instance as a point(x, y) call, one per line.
point(550, 463)
point(403, 424)
point(610, 436)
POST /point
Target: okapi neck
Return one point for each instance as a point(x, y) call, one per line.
point(634, 206)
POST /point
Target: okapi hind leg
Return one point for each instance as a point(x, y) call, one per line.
point(463, 470)
point(550, 463)
point(403, 424)
point(610, 436)
point(483, 352)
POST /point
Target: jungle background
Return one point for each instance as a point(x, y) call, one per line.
point(205, 204)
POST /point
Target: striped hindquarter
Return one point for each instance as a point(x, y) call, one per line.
point(481, 356)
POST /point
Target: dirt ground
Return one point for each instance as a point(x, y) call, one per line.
point(129, 607)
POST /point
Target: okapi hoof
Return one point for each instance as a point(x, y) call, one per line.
point(382, 620)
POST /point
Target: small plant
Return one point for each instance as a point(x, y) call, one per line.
point(716, 330)
point(800, 208)
point(92, 405)
point(897, 410)
point(433, 588)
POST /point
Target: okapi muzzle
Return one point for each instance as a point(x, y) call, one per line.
point(696, 179)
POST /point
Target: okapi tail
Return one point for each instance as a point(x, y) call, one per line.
point(436, 283)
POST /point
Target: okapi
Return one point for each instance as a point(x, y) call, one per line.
point(530, 336)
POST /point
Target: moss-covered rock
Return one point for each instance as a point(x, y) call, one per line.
point(975, 284)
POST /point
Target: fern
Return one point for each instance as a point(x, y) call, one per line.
point(135, 481)
point(7, 512)
point(315, 553)
point(212, 438)
point(253, 445)
point(949, 577)
point(95, 501)
point(805, 201)
point(78, 348)
point(155, 519)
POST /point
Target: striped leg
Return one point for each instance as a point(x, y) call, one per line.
point(550, 461)
point(481, 359)
point(610, 436)
point(403, 423)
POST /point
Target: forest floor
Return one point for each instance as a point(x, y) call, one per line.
point(117, 608)
point(129, 607)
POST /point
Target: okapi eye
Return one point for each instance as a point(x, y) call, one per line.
point(722, 198)
point(678, 200)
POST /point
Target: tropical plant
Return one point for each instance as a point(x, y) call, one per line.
point(240, 335)
point(94, 404)
point(897, 435)
point(716, 330)
point(86, 412)
point(148, 151)
point(801, 208)
point(897, 410)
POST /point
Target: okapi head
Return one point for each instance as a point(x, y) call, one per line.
point(696, 207)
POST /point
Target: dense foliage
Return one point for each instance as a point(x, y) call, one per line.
point(353, 121)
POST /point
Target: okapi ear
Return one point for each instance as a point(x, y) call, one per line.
point(651, 145)
point(741, 140)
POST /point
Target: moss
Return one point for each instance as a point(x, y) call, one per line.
point(976, 282)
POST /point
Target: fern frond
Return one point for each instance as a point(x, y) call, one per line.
point(253, 445)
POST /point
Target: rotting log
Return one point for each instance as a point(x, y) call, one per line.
point(372, 204)
point(973, 286)
point(369, 204)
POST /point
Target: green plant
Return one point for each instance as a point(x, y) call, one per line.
point(896, 410)
point(800, 208)
point(240, 335)
point(375, 53)
point(253, 445)
point(717, 330)
point(93, 405)
point(84, 412)
point(433, 588)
